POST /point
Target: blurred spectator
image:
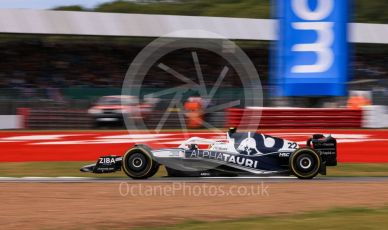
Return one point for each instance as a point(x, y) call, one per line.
point(194, 108)
point(357, 100)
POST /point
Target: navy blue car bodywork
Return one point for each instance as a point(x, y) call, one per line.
point(245, 153)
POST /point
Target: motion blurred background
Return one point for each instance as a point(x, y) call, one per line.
point(62, 66)
point(322, 66)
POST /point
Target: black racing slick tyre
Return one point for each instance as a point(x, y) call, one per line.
point(139, 164)
point(305, 163)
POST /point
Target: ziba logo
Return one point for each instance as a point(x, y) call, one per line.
point(107, 161)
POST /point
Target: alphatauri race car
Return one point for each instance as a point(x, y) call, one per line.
point(239, 154)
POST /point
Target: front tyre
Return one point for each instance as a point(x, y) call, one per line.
point(138, 163)
point(305, 163)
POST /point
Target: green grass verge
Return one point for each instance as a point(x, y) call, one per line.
point(343, 218)
point(359, 169)
point(55, 169)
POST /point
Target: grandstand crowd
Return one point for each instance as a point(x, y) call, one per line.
point(32, 65)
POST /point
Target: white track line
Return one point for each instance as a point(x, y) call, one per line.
point(255, 177)
point(46, 178)
point(187, 179)
point(107, 178)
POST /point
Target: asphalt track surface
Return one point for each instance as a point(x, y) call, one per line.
point(188, 180)
point(74, 203)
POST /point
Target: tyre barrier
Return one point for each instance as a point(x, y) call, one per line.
point(294, 118)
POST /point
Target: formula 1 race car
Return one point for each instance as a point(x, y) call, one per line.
point(241, 153)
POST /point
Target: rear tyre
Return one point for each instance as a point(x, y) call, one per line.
point(138, 163)
point(305, 163)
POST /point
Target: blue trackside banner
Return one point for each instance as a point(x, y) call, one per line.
point(311, 57)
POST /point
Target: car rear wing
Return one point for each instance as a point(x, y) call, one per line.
point(326, 146)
